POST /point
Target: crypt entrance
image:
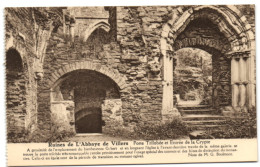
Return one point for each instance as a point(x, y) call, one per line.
point(82, 98)
point(215, 32)
point(201, 37)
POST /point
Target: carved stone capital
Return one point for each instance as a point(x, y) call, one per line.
point(38, 69)
point(155, 67)
point(69, 19)
point(38, 76)
point(238, 54)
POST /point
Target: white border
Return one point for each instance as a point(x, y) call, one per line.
point(30, 3)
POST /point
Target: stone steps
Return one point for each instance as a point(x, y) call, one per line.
point(192, 107)
point(204, 127)
point(199, 111)
point(201, 117)
point(205, 122)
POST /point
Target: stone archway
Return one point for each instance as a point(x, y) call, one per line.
point(15, 87)
point(85, 98)
point(88, 65)
point(201, 33)
point(238, 47)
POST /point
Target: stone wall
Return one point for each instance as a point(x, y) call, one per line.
point(16, 91)
point(56, 41)
point(19, 32)
point(142, 94)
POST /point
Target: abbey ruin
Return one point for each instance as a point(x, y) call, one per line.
point(85, 68)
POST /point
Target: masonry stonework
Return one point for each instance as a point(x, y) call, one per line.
point(115, 64)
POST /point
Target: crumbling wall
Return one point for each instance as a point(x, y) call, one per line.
point(142, 94)
point(134, 56)
point(21, 91)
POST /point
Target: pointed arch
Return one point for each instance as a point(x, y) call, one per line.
point(98, 24)
point(234, 26)
point(228, 19)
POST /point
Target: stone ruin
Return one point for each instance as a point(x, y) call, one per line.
point(84, 68)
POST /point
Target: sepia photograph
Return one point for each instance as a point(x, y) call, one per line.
point(140, 74)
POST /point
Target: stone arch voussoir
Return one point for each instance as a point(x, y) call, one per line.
point(232, 16)
point(87, 65)
point(200, 42)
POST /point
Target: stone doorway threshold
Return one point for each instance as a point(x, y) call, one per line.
point(88, 134)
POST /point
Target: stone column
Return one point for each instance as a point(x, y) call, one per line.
point(72, 34)
point(167, 104)
point(72, 28)
point(241, 76)
point(234, 80)
point(251, 78)
point(243, 80)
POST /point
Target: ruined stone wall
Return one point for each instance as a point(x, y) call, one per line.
point(142, 95)
point(248, 11)
point(139, 32)
point(61, 53)
point(135, 57)
point(19, 32)
point(140, 29)
point(16, 100)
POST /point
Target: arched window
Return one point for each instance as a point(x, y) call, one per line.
point(13, 62)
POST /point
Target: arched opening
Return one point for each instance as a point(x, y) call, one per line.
point(83, 95)
point(15, 92)
point(89, 120)
point(203, 34)
point(98, 37)
point(95, 42)
point(192, 77)
point(211, 30)
point(14, 64)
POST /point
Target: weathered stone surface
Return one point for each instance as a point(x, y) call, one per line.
point(117, 46)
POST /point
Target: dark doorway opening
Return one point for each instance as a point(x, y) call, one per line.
point(87, 89)
point(89, 120)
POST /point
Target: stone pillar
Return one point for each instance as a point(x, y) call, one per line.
point(167, 104)
point(243, 80)
point(234, 80)
point(242, 92)
point(72, 28)
point(241, 76)
point(251, 78)
point(72, 34)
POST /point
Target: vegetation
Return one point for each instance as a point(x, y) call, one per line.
point(40, 135)
point(241, 126)
point(193, 75)
point(151, 131)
